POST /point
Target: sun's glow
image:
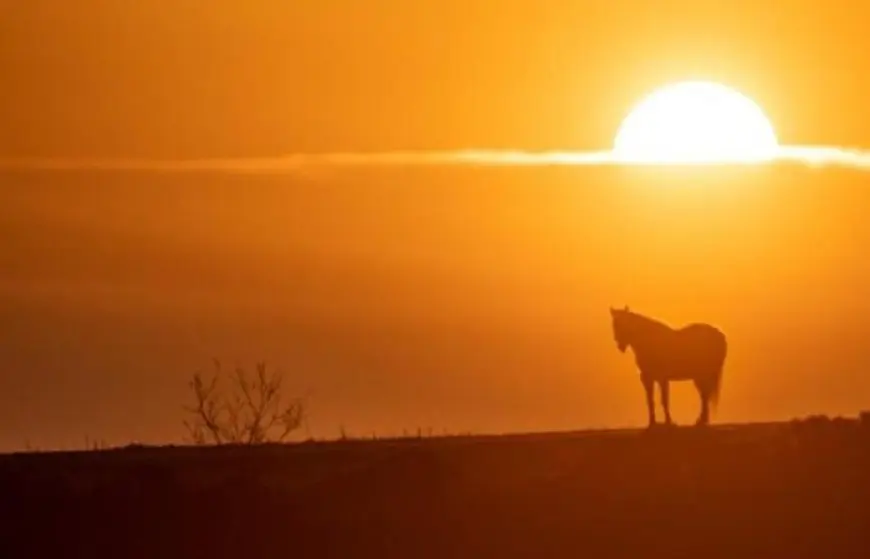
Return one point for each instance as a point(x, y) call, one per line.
point(696, 122)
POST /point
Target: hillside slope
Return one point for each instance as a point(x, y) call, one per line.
point(773, 490)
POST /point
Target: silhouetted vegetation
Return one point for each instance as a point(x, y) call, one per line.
point(245, 409)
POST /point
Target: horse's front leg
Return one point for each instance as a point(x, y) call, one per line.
point(649, 387)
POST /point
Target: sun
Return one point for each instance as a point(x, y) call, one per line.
point(696, 122)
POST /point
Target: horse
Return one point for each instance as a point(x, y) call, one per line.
point(696, 352)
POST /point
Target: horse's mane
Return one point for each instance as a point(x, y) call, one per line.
point(646, 322)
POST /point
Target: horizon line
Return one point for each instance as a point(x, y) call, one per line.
point(809, 155)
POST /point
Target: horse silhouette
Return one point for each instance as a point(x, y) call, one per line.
point(695, 352)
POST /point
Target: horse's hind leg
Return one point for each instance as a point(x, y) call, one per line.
point(704, 395)
point(664, 389)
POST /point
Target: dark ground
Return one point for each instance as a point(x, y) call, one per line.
point(763, 490)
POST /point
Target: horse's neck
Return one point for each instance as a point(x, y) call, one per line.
point(649, 334)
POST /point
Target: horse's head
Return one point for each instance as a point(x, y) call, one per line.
point(621, 330)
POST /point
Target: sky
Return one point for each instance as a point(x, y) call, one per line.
point(462, 299)
point(228, 78)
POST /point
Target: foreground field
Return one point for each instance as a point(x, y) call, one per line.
point(762, 490)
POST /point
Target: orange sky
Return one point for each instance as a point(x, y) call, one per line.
point(225, 77)
point(458, 298)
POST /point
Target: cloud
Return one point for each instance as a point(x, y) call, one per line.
point(824, 156)
point(808, 155)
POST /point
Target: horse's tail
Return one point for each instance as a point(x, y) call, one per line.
point(716, 386)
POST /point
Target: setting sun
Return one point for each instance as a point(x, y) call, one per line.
point(695, 122)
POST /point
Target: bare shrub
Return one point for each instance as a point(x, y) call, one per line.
point(248, 409)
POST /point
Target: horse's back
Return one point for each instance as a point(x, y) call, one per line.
point(705, 339)
point(704, 329)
